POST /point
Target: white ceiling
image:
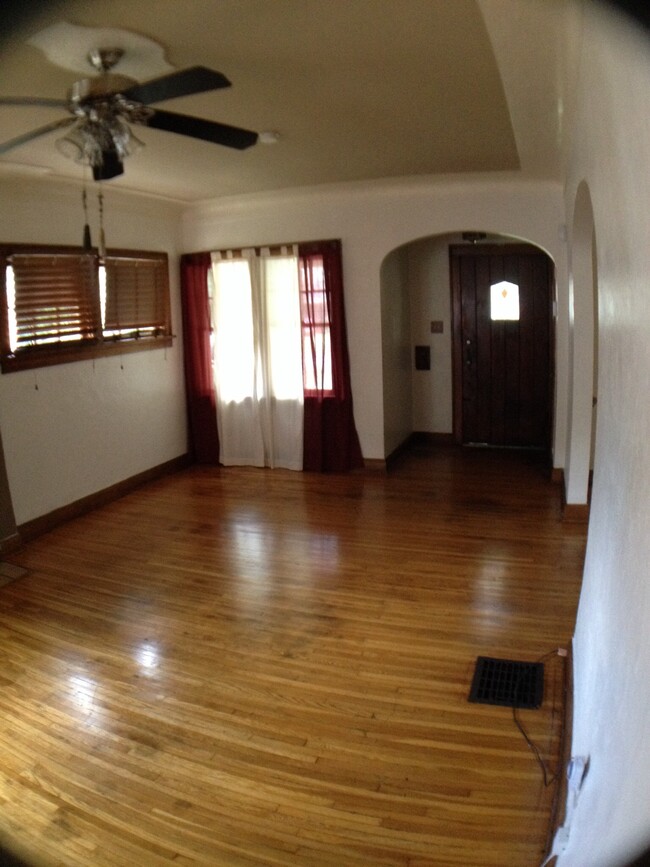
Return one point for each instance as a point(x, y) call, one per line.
point(357, 89)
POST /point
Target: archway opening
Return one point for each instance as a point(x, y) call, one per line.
point(421, 386)
point(583, 339)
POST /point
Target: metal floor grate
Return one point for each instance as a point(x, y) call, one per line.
point(508, 683)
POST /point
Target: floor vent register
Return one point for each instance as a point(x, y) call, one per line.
point(507, 682)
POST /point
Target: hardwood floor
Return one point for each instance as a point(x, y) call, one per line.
point(259, 667)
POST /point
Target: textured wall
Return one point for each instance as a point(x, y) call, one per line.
point(612, 639)
point(89, 424)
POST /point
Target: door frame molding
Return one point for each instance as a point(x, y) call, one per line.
point(455, 252)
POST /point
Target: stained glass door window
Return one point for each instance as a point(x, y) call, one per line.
point(504, 301)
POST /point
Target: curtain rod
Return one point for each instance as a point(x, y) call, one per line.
point(275, 248)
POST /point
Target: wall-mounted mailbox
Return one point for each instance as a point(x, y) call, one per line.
point(423, 358)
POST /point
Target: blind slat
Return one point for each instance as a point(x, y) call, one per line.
point(55, 298)
point(136, 296)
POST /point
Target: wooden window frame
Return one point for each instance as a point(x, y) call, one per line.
point(322, 326)
point(97, 345)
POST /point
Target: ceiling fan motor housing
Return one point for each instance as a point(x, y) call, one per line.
point(91, 89)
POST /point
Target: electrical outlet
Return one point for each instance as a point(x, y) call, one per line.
point(576, 772)
point(437, 326)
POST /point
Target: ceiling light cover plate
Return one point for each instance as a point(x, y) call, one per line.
point(68, 46)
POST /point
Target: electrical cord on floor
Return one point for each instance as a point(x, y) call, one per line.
point(548, 780)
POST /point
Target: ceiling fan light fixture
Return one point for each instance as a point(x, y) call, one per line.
point(110, 167)
point(132, 145)
point(89, 142)
point(105, 107)
point(80, 144)
point(119, 136)
point(71, 145)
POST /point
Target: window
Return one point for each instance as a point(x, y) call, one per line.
point(284, 277)
point(136, 296)
point(316, 338)
point(61, 304)
point(50, 299)
point(257, 322)
point(234, 351)
point(326, 419)
point(258, 359)
point(504, 301)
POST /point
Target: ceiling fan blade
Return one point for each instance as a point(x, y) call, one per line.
point(196, 79)
point(35, 133)
point(33, 100)
point(207, 130)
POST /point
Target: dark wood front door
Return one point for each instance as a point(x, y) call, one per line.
point(502, 366)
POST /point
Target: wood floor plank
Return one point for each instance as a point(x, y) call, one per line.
point(253, 667)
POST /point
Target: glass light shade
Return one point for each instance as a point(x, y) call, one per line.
point(88, 141)
point(124, 142)
point(72, 145)
point(134, 145)
point(81, 144)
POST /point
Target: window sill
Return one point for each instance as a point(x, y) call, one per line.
point(35, 358)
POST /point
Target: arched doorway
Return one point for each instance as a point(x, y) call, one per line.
point(416, 304)
point(583, 293)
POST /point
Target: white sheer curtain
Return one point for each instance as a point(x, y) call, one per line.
point(258, 359)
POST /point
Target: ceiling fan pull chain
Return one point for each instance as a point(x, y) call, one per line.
point(87, 242)
point(102, 238)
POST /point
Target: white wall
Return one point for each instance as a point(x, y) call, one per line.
point(89, 424)
point(372, 220)
point(430, 291)
point(612, 638)
point(397, 352)
point(92, 424)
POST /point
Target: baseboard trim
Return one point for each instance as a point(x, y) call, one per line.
point(558, 808)
point(375, 465)
point(575, 513)
point(395, 454)
point(431, 438)
point(43, 524)
point(418, 438)
point(10, 544)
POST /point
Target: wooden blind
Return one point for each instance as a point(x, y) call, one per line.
point(137, 297)
point(56, 299)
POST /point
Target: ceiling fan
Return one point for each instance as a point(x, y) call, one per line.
point(103, 106)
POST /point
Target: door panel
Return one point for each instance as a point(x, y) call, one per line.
point(502, 368)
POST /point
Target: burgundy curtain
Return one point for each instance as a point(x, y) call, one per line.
point(199, 381)
point(331, 443)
